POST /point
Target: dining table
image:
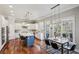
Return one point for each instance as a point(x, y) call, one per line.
point(60, 41)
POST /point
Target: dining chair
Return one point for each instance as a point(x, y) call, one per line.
point(70, 47)
point(21, 37)
point(55, 48)
point(48, 45)
point(64, 35)
point(47, 42)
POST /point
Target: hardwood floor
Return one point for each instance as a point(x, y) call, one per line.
point(17, 47)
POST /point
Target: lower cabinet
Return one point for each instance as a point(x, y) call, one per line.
point(29, 41)
point(2, 37)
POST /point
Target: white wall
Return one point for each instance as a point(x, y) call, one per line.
point(77, 27)
point(0, 31)
point(40, 26)
point(11, 25)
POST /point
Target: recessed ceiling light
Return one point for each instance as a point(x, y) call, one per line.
point(12, 14)
point(10, 6)
point(11, 11)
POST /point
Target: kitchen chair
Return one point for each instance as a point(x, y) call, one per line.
point(48, 45)
point(21, 37)
point(70, 47)
point(55, 48)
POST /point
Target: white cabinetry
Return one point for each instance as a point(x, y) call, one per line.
point(3, 24)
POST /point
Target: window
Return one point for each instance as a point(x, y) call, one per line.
point(64, 28)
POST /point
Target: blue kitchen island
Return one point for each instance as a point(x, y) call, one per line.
point(29, 39)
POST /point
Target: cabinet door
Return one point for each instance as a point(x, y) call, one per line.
point(3, 35)
point(30, 40)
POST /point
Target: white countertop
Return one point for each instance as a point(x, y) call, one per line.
point(27, 34)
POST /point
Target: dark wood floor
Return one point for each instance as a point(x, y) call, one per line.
point(17, 47)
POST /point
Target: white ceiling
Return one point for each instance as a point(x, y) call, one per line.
point(37, 10)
